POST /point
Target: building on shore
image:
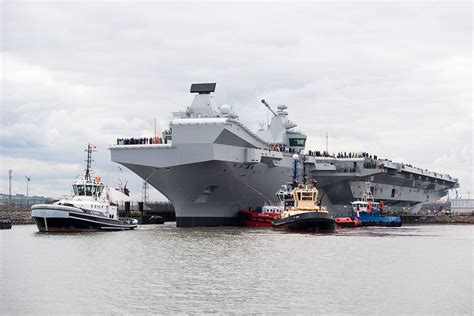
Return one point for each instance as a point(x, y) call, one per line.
point(22, 202)
point(459, 206)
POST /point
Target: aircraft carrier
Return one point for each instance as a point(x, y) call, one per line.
point(210, 166)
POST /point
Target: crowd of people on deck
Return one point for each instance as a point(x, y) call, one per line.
point(318, 153)
point(140, 141)
point(356, 155)
point(370, 161)
point(280, 147)
point(146, 140)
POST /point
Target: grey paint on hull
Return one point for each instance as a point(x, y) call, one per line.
point(215, 188)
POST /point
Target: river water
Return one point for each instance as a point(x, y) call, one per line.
point(167, 270)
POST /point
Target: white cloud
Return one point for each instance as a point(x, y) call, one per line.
point(47, 177)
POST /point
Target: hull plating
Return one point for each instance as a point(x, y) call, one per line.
point(212, 193)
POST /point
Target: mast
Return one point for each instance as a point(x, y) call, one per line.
point(327, 148)
point(295, 167)
point(304, 171)
point(10, 187)
point(367, 196)
point(145, 195)
point(87, 175)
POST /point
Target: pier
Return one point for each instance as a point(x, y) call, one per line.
point(467, 218)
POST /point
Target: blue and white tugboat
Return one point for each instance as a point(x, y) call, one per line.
point(371, 213)
point(305, 212)
point(89, 208)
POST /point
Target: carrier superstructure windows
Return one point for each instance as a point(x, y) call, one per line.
point(298, 142)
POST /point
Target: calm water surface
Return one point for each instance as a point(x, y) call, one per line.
point(163, 269)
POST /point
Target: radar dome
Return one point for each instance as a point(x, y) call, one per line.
point(225, 109)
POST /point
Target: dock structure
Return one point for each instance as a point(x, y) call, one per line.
point(438, 219)
point(144, 212)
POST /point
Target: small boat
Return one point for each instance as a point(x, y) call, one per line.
point(349, 222)
point(260, 217)
point(156, 219)
point(306, 213)
point(263, 216)
point(90, 208)
point(371, 213)
point(5, 223)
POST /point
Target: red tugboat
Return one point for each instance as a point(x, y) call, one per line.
point(348, 222)
point(262, 217)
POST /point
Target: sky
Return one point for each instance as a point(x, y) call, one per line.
point(389, 78)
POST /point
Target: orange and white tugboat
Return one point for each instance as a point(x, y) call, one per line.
point(306, 212)
point(89, 209)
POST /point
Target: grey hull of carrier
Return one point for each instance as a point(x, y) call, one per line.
point(212, 166)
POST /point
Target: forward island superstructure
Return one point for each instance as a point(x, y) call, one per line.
point(210, 166)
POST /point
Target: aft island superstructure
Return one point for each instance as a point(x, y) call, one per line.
point(211, 166)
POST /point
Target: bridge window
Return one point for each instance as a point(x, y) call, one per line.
point(300, 142)
point(78, 189)
point(393, 192)
point(307, 196)
point(97, 189)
